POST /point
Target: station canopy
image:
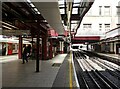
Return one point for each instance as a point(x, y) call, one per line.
point(37, 16)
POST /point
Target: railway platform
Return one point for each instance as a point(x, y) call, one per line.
point(8, 58)
point(58, 72)
point(116, 56)
point(53, 73)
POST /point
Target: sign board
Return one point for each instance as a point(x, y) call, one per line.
point(15, 32)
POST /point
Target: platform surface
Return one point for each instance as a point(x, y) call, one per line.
point(116, 56)
point(16, 74)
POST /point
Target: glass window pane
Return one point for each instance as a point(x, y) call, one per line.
point(76, 1)
point(87, 26)
point(100, 10)
point(74, 21)
point(107, 10)
point(75, 11)
point(107, 27)
point(61, 2)
point(76, 5)
point(100, 27)
point(62, 11)
point(118, 10)
point(118, 25)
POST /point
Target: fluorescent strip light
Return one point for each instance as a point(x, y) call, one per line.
point(35, 9)
point(9, 25)
point(29, 1)
point(32, 5)
point(38, 12)
point(6, 27)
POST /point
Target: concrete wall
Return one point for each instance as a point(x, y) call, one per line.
point(95, 19)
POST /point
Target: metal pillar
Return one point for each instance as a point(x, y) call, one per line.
point(32, 48)
point(37, 56)
point(50, 49)
point(61, 47)
point(20, 47)
point(62, 43)
point(44, 48)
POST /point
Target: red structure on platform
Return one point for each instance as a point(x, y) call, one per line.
point(87, 38)
point(52, 33)
point(84, 39)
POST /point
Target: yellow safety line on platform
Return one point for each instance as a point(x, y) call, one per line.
point(70, 70)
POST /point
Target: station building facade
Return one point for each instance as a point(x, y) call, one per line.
point(103, 20)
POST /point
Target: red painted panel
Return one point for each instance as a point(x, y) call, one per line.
point(50, 49)
point(9, 52)
point(52, 32)
point(87, 38)
point(9, 48)
point(56, 34)
point(66, 33)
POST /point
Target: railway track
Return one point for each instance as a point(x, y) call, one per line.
point(108, 67)
point(90, 77)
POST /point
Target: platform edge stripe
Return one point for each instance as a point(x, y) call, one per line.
point(77, 84)
point(70, 71)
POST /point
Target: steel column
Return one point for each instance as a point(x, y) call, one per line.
point(50, 49)
point(44, 47)
point(20, 47)
point(37, 55)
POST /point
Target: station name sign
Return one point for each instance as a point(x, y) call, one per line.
point(15, 32)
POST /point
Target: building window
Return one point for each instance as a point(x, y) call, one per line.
point(107, 27)
point(100, 10)
point(62, 11)
point(118, 10)
point(100, 27)
point(75, 11)
point(87, 26)
point(107, 10)
point(118, 25)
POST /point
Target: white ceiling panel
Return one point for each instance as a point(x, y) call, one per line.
point(50, 11)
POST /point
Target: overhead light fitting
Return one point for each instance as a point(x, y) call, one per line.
point(29, 1)
point(8, 24)
point(37, 10)
point(32, 5)
point(6, 27)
